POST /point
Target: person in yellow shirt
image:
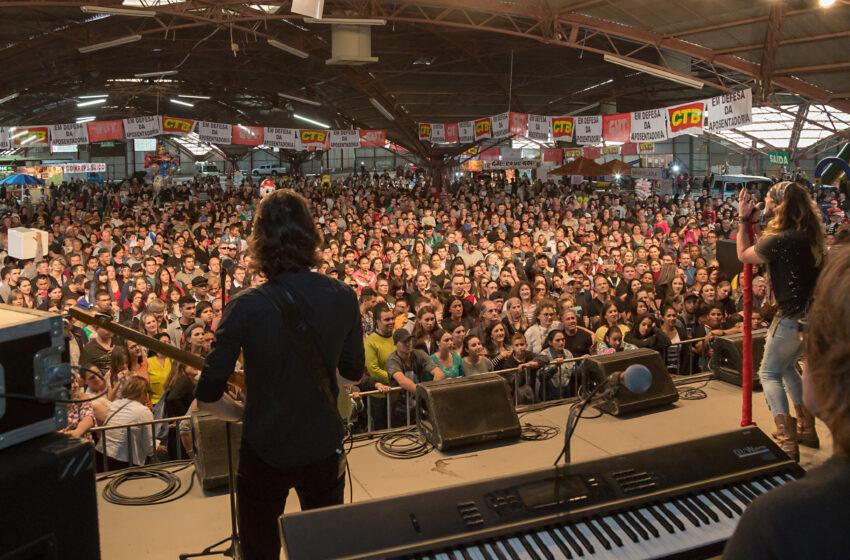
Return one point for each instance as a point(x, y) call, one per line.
point(159, 367)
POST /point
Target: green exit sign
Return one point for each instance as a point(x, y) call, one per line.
point(107, 144)
point(778, 158)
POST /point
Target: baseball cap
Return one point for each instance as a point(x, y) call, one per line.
point(401, 335)
point(200, 281)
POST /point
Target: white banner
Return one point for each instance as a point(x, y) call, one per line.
point(588, 130)
point(501, 125)
point(466, 132)
point(286, 138)
point(730, 110)
point(539, 127)
point(438, 133)
point(648, 126)
point(142, 127)
point(512, 154)
point(345, 138)
point(215, 133)
point(506, 164)
point(71, 168)
point(67, 134)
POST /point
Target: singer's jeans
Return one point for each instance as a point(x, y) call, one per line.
point(778, 374)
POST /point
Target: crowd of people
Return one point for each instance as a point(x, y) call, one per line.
point(522, 277)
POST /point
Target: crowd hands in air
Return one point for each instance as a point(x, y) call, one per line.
point(516, 277)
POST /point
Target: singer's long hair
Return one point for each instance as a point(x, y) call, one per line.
point(795, 209)
point(284, 238)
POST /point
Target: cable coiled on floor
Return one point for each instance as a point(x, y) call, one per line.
point(408, 444)
point(173, 484)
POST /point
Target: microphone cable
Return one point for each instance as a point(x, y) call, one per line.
point(158, 471)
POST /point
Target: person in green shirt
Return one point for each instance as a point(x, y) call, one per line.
point(378, 346)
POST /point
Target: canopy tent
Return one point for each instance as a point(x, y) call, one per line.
point(579, 166)
point(19, 179)
point(615, 166)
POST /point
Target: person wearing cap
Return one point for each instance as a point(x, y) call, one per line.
point(407, 367)
point(200, 285)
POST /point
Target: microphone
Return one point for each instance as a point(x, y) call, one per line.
point(636, 378)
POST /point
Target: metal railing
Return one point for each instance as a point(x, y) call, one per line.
point(174, 444)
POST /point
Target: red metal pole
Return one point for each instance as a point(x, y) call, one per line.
point(747, 342)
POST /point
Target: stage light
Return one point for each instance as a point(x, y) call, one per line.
point(300, 99)
point(28, 140)
point(676, 168)
point(156, 74)
point(187, 96)
point(81, 120)
point(826, 3)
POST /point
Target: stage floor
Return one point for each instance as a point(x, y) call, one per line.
point(198, 520)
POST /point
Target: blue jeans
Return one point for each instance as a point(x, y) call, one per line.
point(778, 374)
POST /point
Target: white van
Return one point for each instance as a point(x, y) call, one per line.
point(207, 169)
point(725, 186)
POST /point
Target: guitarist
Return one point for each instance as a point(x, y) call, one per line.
point(292, 437)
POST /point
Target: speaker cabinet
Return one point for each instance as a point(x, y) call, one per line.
point(49, 509)
point(465, 411)
point(727, 361)
point(210, 443)
point(662, 391)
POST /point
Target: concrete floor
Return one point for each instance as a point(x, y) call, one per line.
point(197, 520)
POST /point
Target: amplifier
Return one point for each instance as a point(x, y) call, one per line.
point(661, 392)
point(31, 345)
point(727, 361)
point(210, 443)
point(466, 411)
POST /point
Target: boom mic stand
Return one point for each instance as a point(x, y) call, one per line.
point(233, 550)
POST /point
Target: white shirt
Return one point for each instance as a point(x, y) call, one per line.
point(125, 411)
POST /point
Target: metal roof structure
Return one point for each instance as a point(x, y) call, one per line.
point(439, 60)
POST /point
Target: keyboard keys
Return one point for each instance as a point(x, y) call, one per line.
point(683, 510)
point(581, 532)
point(672, 516)
point(598, 533)
point(642, 517)
point(624, 525)
point(718, 503)
point(609, 530)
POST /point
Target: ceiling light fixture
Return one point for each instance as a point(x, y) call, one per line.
point(656, 71)
point(826, 3)
point(300, 99)
point(284, 47)
point(311, 121)
point(27, 140)
point(92, 102)
point(117, 11)
point(109, 44)
point(381, 109)
point(156, 74)
point(346, 21)
point(84, 119)
point(187, 96)
point(19, 134)
point(9, 97)
point(98, 96)
point(184, 103)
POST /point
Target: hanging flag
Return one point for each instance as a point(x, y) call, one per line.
point(539, 127)
point(452, 133)
point(247, 135)
point(425, 132)
point(100, 131)
point(573, 153)
point(142, 127)
point(629, 149)
point(519, 124)
point(553, 154)
point(592, 152)
point(511, 154)
point(373, 137)
point(33, 136)
point(4, 138)
point(345, 138)
point(730, 110)
point(610, 150)
point(615, 128)
point(466, 132)
point(69, 134)
point(178, 126)
point(685, 119)
point(563, 129)
point(312, 139)
point(588, 130)
point(286, 138)
point(648, 126)
point(646, 148)
point(483, 128)
point(438, 133)
point(490, 154)
point(214, 133)
point(501, 125)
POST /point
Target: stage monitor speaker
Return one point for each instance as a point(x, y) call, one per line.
point(210, 444)
point(465, 411)
point(661, 392)
point(49, 509)
point(727, 361)
point(727, 256)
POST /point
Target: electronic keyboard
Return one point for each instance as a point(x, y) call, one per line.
point(682, 500)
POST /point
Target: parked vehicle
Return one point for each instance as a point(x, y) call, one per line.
point(269, 169)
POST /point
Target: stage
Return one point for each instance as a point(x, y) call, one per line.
point(198, 520)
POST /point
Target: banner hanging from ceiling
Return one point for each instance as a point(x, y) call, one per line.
point(286, 138)
point(538, 127)
point(615, 128)
point(345, 139)
point(142, 127)
point(373, 138)
point(685, 119)
point(648, 126)
point(214, 133)
point(483, 128)
point(588, 130)
point(729, 111)
point(104, 131)
point(177, 126)
point(69, 134)
point(563, 129)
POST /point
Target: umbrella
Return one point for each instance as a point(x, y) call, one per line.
point(580, 166)
point(21, 179)
point(615, 166)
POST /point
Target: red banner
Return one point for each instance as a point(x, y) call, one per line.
point(452, 133)
point(629, 149)
point(373, 137)
point(483, 128)
point(553, 154)
point(686, 118)
point(175, 125)
point(591, 152)
point(562, 128)
point(518, 124)
point(490, 154)
point(616, 128)
point(247, 135)
point(100, 131)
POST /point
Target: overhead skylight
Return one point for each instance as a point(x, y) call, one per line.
point(775, 127)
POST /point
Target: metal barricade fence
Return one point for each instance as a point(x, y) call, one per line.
point(173, 441)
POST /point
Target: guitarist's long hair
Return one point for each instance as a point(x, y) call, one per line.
point(795, 209)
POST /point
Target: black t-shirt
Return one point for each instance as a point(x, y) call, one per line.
point(792, 267)
point(579, 343)
point(804, 519)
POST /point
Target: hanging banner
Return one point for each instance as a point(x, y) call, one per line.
point(490, 154)
point(438, 133)
point(511, 153)
point(425, 132)
point(451, 132)
point(313, 139)
point(102, 131)
point(730, 110)
point(4, 138)
point(553, 154)
point(648, 126)
point(629, 149)
point(506, 164)
point(588, 130)
point(778, 158)
point(654, 173)
point(142, 127)
point(483, 128)
point(573, 153)
point(69, 134)
point(591, 152)
point(372, 137)
point(74, 168)
point(616, 127)
point(247, 135)
point(501, 125)
point(178, 126)
point(538, 127)
point(286, 138)
point(685, 119)
point(610, 150)
point(518, 124)
point(646, 148)
point(471, 152)
point(30, 136)
point(466, 132)
point(345, 138)
point(214, 133)
point(563, 129)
